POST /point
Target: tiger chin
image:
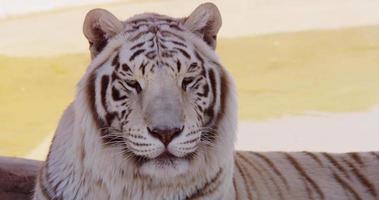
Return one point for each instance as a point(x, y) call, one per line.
point(155, 117)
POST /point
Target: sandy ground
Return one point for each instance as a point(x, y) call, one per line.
point(37, 33)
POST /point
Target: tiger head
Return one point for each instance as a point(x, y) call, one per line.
point(157, 92)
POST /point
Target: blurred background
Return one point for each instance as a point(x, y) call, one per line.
point(307, 71)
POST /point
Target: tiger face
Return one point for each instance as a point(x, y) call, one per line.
point(157, 93)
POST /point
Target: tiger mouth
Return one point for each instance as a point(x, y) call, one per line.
point(164, 159)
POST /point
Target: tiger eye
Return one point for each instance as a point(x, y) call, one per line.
point(186, 82)
point(135, 85)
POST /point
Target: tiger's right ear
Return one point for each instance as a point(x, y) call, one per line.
point(100, 25)
point(205, 21)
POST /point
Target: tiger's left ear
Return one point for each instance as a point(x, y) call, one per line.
point(205, 21)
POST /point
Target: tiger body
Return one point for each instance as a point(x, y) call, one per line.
point(155, 117)
point(306, 175)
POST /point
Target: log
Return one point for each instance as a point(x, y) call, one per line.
point(17, 178)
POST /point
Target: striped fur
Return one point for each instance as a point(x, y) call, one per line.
point(306, 175)
point(156, 71)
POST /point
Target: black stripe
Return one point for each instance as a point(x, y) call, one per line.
point(199, 57)
point(363, 179)
point(313, 157)
point(125, 67)
point(273, 167)
point(115, 61)
point(91, 98)
point(136, 21)
point(336, 164)
point(143, 67)
point(135, 54)
point(162, 45)
point(103, 90)
point(168, 33)
point(235, 188)
point(116, 95)
point(179, 43)
point(357, 158)
point(196, 84)
point(109, 117)
point(258, 168)
point(246, 183)
point(206, 189)
point(304, 174)
point(176, 27)
point(178, 65)
point(210, 110)
point(183, 52)
point(137, 45)
point(151, 55)
point(346, 186)
point(136, 37)
point(205, 91)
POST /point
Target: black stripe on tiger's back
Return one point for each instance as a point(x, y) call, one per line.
point(246, 180)
point(363, 179)
point(208, 188)
point(335, 163)
point(357, 158)
point(263, 172)
point(314, 157)
point(346, 186)
point(304, 174)
point(376, 155)
point(271, 164)
point(236, 192)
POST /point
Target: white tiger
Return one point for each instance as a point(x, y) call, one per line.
point(155, 118)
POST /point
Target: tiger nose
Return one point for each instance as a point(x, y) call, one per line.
point(165, 135)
